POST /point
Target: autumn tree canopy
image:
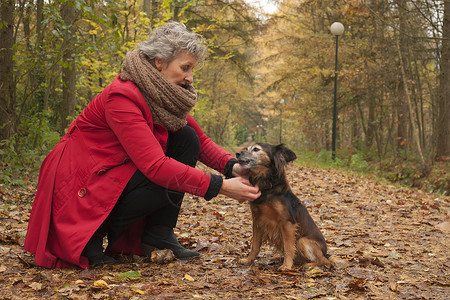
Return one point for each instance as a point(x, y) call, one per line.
point(393, 98)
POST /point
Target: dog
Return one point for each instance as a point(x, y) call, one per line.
point(278, 215)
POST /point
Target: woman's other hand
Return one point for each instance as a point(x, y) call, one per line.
point(240, 189)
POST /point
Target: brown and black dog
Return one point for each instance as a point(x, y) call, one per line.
point(278, 215)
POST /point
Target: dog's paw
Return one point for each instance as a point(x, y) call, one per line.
point(285, 268)
point(310, 265)
point(245, 261)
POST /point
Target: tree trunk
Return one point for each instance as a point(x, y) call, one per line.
point(402, 106)
point(154, 12)
point(371, 96)
point(415, 130)
point(39, 77)
point(355, 132)
point(371, 128)
point(175, 10)
point(443, 121)
point(147, 7)
point(68, 14)
point(7, 85)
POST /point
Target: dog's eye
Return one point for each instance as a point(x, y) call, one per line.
point(255, 149)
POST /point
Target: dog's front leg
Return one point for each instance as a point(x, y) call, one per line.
point(288, 232)
point(256, 244)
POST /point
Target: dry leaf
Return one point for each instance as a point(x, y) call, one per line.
point(188, 277)
point(444, 227)
point(100, 284)
point(162, 256)
point(36, 286)
point(367, 225)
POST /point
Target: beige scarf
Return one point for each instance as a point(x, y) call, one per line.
point(169, 103)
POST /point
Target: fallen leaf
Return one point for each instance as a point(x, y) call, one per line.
point(444, 227)
point(368, 227)
point(4, 250)
point(87, 274)
point(357, 285)
point(36, 286)
point(188, 277)
point(100, 284)
point(377, 262)
point(162, 256)
point(129, 275)
point(360, 273)
point(138, 291)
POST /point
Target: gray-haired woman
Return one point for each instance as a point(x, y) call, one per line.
point(126, 161)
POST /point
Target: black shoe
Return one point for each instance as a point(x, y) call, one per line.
point(101, 259)
point(163, 237)
point(94, 251)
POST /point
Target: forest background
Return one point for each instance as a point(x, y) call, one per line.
point(268, 78)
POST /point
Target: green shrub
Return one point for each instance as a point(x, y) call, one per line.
point(357, 162)
point(22, 154)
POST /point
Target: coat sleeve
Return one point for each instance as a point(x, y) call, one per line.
point(210, 153)
point(128, 123)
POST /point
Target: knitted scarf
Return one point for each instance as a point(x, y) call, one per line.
point(169, 103)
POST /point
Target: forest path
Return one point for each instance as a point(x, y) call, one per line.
point(385, 242)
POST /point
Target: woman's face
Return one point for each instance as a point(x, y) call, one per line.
point(179, 70)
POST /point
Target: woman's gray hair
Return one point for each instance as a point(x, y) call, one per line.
point(170, 40)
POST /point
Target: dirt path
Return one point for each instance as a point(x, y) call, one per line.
point(385, 242)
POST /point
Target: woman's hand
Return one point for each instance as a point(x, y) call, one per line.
point(240, 189)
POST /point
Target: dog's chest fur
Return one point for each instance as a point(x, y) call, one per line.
point(269, 217)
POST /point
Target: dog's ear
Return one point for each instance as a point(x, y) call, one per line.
point(285, 152)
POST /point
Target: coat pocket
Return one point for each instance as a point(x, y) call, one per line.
point(105, 166)
point(73, 188)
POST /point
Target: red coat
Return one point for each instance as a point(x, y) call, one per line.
point(83, 176)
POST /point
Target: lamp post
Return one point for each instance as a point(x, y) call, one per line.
point(336, 29)
point(281, 117)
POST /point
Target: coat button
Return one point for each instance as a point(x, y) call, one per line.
point(101, 172)
point(82, 192)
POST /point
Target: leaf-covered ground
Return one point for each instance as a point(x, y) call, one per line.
point(385, 243)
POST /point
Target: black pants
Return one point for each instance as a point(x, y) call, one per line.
point(143, 198)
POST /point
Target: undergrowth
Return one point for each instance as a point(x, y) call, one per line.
point(22, 154)
point(395, 171)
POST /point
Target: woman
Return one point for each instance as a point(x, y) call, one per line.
point(125, 163)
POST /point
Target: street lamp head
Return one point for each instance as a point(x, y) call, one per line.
point(337, 28)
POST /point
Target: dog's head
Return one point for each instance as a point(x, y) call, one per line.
point(262, 159)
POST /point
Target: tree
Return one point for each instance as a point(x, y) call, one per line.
point(402, 107)
point(7, 84)
point(69, 15)
point(225, 81)
point(57, 55)
point(388, 109)
point(443, 119)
